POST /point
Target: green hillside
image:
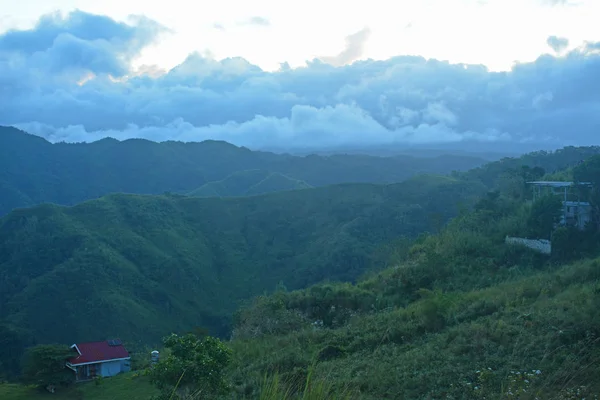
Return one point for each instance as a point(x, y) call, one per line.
point(125, 386)
point(139, 267)
point(247, 183)
point(457, 315)
point(461, 315)
point(34, 171)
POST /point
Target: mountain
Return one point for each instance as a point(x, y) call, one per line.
point(140, 266)
point(247, 183)
point(34, 171)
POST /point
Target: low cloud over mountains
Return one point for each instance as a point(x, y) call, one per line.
point(68, 79)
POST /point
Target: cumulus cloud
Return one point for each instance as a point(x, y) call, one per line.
point(355, 46)
point(68, 79)
point(79, 42)
point(558, 44)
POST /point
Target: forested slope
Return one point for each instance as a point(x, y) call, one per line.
point(142, 266)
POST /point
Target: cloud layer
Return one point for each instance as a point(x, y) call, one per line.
point(68, 79)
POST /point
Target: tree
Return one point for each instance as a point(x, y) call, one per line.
point(589, 171)
point(13, 342)
point(544, 215)
point(44, 365)
point(194, 366)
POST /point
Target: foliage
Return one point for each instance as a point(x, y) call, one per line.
point(13, 343)
point(551, 162)
point(195, 365)
point(140, 267)
point(250, 182)
point(45, 365)
point(274, 388)
point(123, 386)
point(458, 299)
point(589, 171)
point(544, 216)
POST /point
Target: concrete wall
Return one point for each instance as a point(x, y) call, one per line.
point(539, 245)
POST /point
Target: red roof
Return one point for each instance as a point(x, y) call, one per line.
point(98, 351)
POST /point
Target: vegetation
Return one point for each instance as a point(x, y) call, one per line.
point(131, 386)
point(44, 365)
point(462, 316)
point(194, 367)
point(139, 267)
point(247, 183)
point(33, 171)
point(376, 295)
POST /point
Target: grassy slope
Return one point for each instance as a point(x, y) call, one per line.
point(139, 267)
point(459, 303)
point(433, 347)
point(125, 386)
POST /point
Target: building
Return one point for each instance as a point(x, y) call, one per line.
point(575, 212)
point(99, 359)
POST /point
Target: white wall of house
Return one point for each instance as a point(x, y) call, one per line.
point(112, 368)
point(539, 245)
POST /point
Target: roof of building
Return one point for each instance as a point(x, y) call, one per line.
point(93, 352)
point(577, 203)
point(558, 184)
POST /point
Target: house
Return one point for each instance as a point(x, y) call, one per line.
point(99, 359)
point(575, 212)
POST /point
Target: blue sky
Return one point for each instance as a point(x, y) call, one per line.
point(293, 74)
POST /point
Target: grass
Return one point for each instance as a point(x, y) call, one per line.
point(125, 386)
point(276, 388)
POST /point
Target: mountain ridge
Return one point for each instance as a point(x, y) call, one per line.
point(34, 171)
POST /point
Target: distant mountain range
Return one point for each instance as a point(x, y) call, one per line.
point(34, 171)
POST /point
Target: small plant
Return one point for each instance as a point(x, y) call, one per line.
point(577, 393)
point(519, 383)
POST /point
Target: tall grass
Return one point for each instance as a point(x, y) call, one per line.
point(273, 388)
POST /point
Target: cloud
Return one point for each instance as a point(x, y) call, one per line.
point(558, 44)
point(68, 79)
point(218, 26)
point(555, 2)
point(355, 45)
point(80, 42)
point(257, 21)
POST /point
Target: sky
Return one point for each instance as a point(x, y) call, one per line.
point(296, 74)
